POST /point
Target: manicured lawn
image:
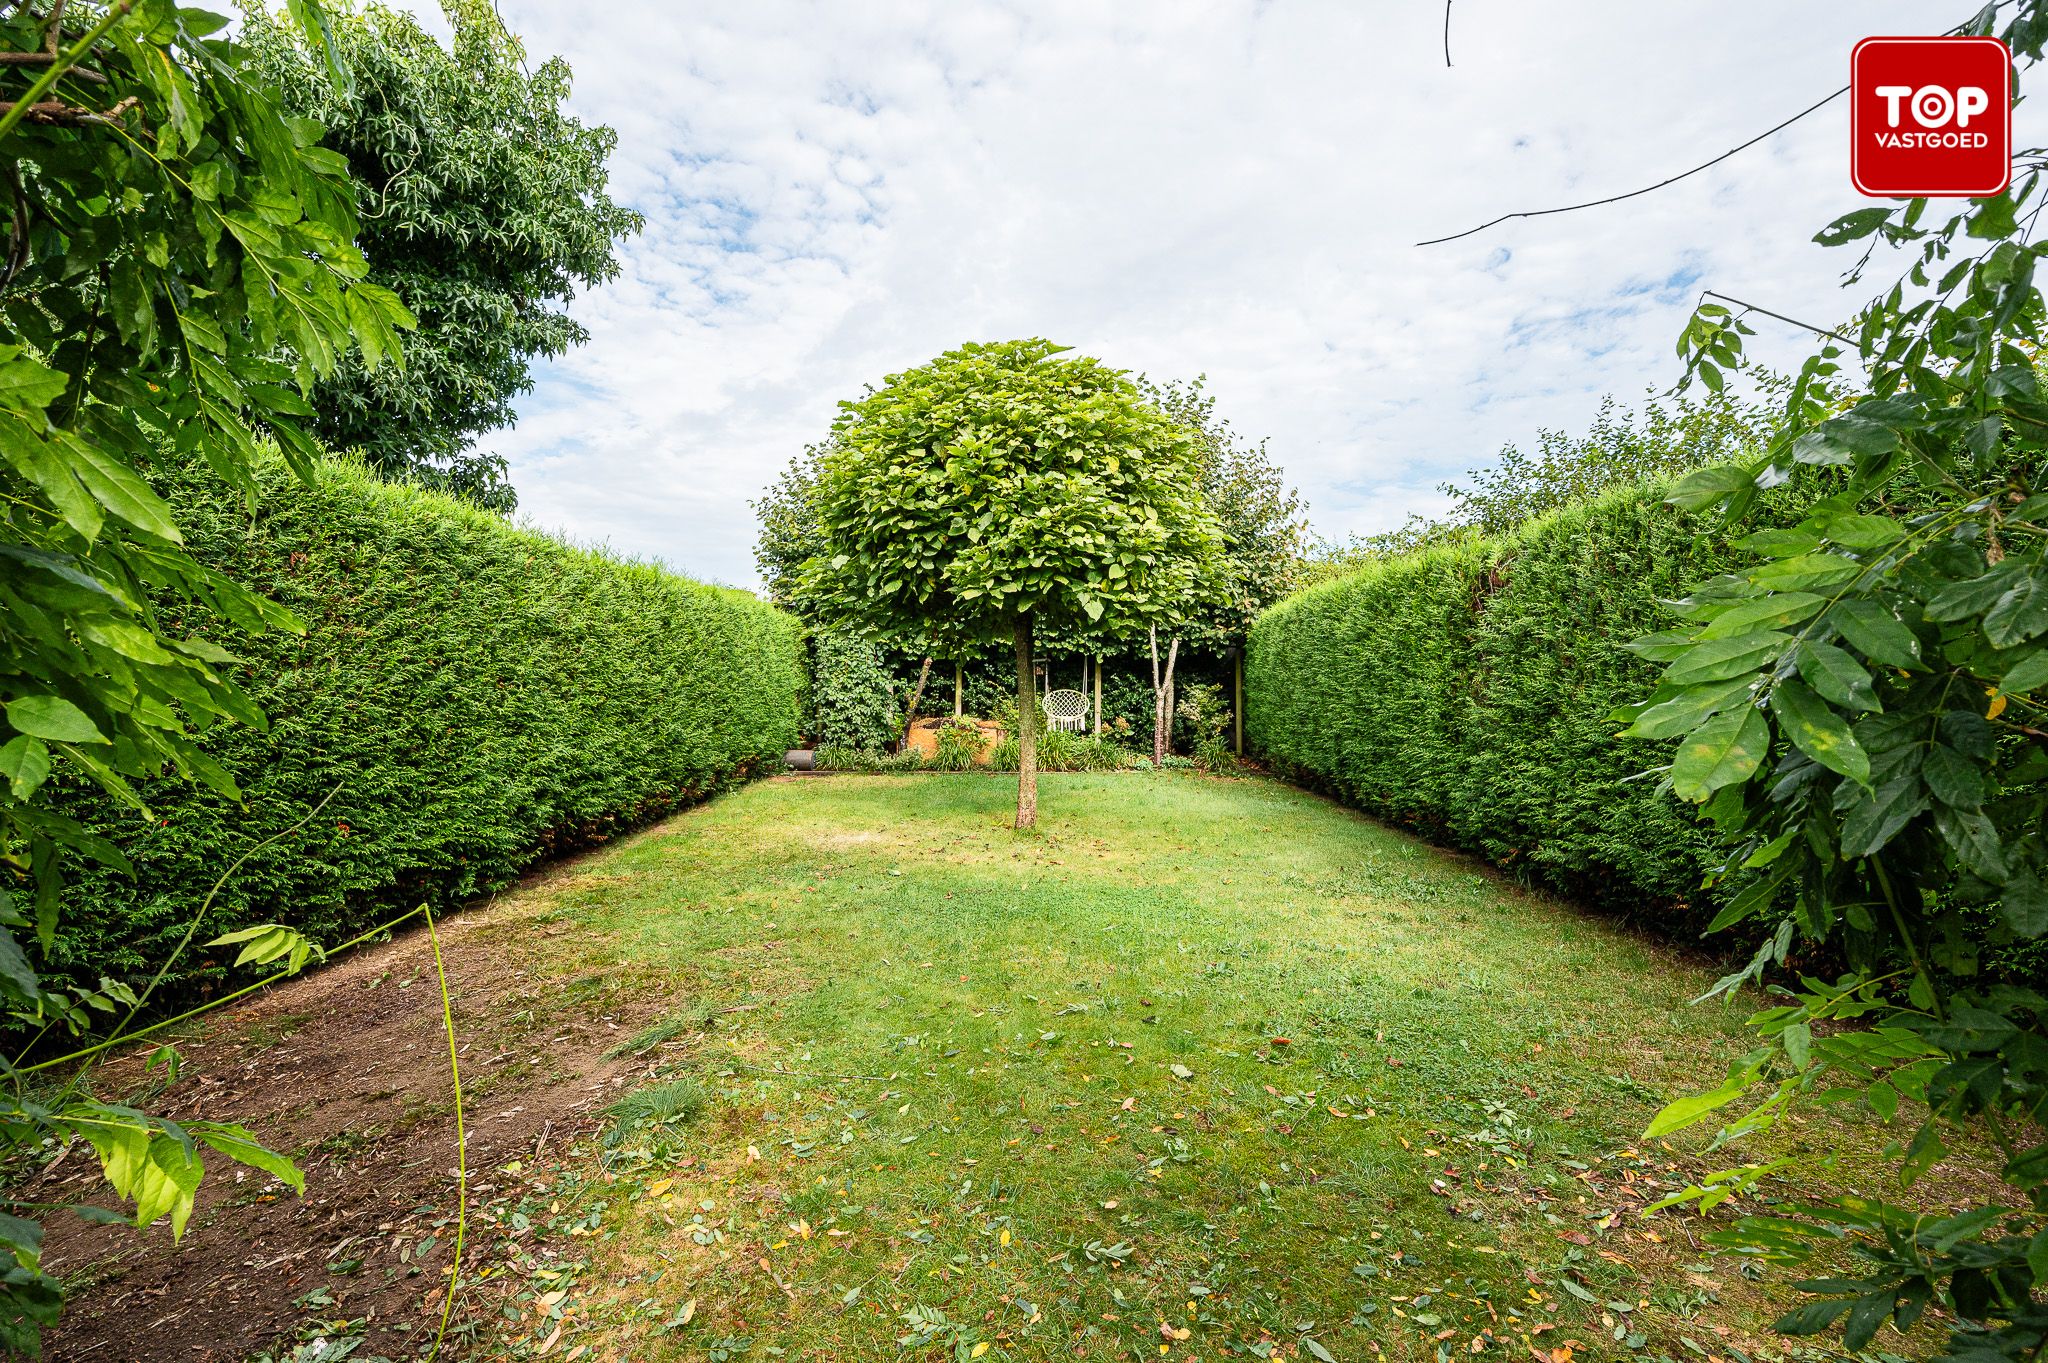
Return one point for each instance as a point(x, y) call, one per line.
point(1210, 1068)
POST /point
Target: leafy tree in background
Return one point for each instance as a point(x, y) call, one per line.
point(1001, 491)
point(180, 270)
point(1260, 519)
point(1862, 711)
point(483, 207)
point(1670, 435)
point(1260, 522)
point(1263, 533)
point(790, 535)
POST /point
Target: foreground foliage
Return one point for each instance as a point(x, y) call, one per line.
point(180, 271)
point(484, 208)
point(1860, 706)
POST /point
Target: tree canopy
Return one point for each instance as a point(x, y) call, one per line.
point(1260, 523)
point(1002, 489)
point(789, 535)
point(484, 207)
point(1259, 518)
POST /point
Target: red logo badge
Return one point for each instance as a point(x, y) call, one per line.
point(1930, 117)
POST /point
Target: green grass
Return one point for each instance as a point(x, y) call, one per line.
point(1212, 1057)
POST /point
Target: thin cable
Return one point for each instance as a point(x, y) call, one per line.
point(1647, 189)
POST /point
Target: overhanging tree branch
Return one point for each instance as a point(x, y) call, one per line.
point(1779, 316)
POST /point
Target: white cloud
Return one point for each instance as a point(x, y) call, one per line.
point(836, 192)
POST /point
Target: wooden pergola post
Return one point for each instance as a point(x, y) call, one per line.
point(1098, 697)
point(1237, 699)
point(956, 690)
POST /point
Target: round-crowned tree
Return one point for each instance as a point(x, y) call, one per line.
point(1001, 491)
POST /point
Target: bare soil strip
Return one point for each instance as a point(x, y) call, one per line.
point(346, 1068)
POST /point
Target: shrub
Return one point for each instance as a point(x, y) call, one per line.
point(852, 702)
point(1059, 750)
point(1464, 690)
point(1201, 715)
point(958, 745)
point(839, 757)
point(474, 696)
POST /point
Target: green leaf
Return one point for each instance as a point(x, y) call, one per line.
point(267, 942)
point(25, 762)
point(1805, 570)
point(1975, 841)
point(1835, 675)
point(116, 487)
point(18, 979)
point(2026, 674)
point(36, 460)
point(1776, 611)
point(1705, 487)
point(240, 1145)
point(1810, 1319)
point(1779, 543)
point(1961, 600)
point(311, 17)
point(1863, 532)
point(144, 1162)
point(2019, 614)
point(1714, 660)
point(1683, 713)
point(25, 385)
point(1955, 780)
point(1876, 632)
point(1663, 646)
point(1853, 226)
point(1685, 1111)
point(54, 718)
point(1797, 1040)
point(1724, 751)
point(1818, 731)
point(1875, 817)
point(2024, 903)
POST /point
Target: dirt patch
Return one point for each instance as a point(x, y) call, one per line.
point(347, 1069)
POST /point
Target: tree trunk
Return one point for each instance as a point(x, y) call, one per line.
point(1098, 697)
point(1027, 729)
point(916, 695)
point(1162, 697)
point(958, 690)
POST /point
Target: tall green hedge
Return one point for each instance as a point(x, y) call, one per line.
point(1464, 690)
point(477, 696)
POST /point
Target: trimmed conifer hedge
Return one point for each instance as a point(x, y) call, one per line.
point(477, 697)
point(1465, 691)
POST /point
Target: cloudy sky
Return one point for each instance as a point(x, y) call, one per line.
point(1180, 187)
